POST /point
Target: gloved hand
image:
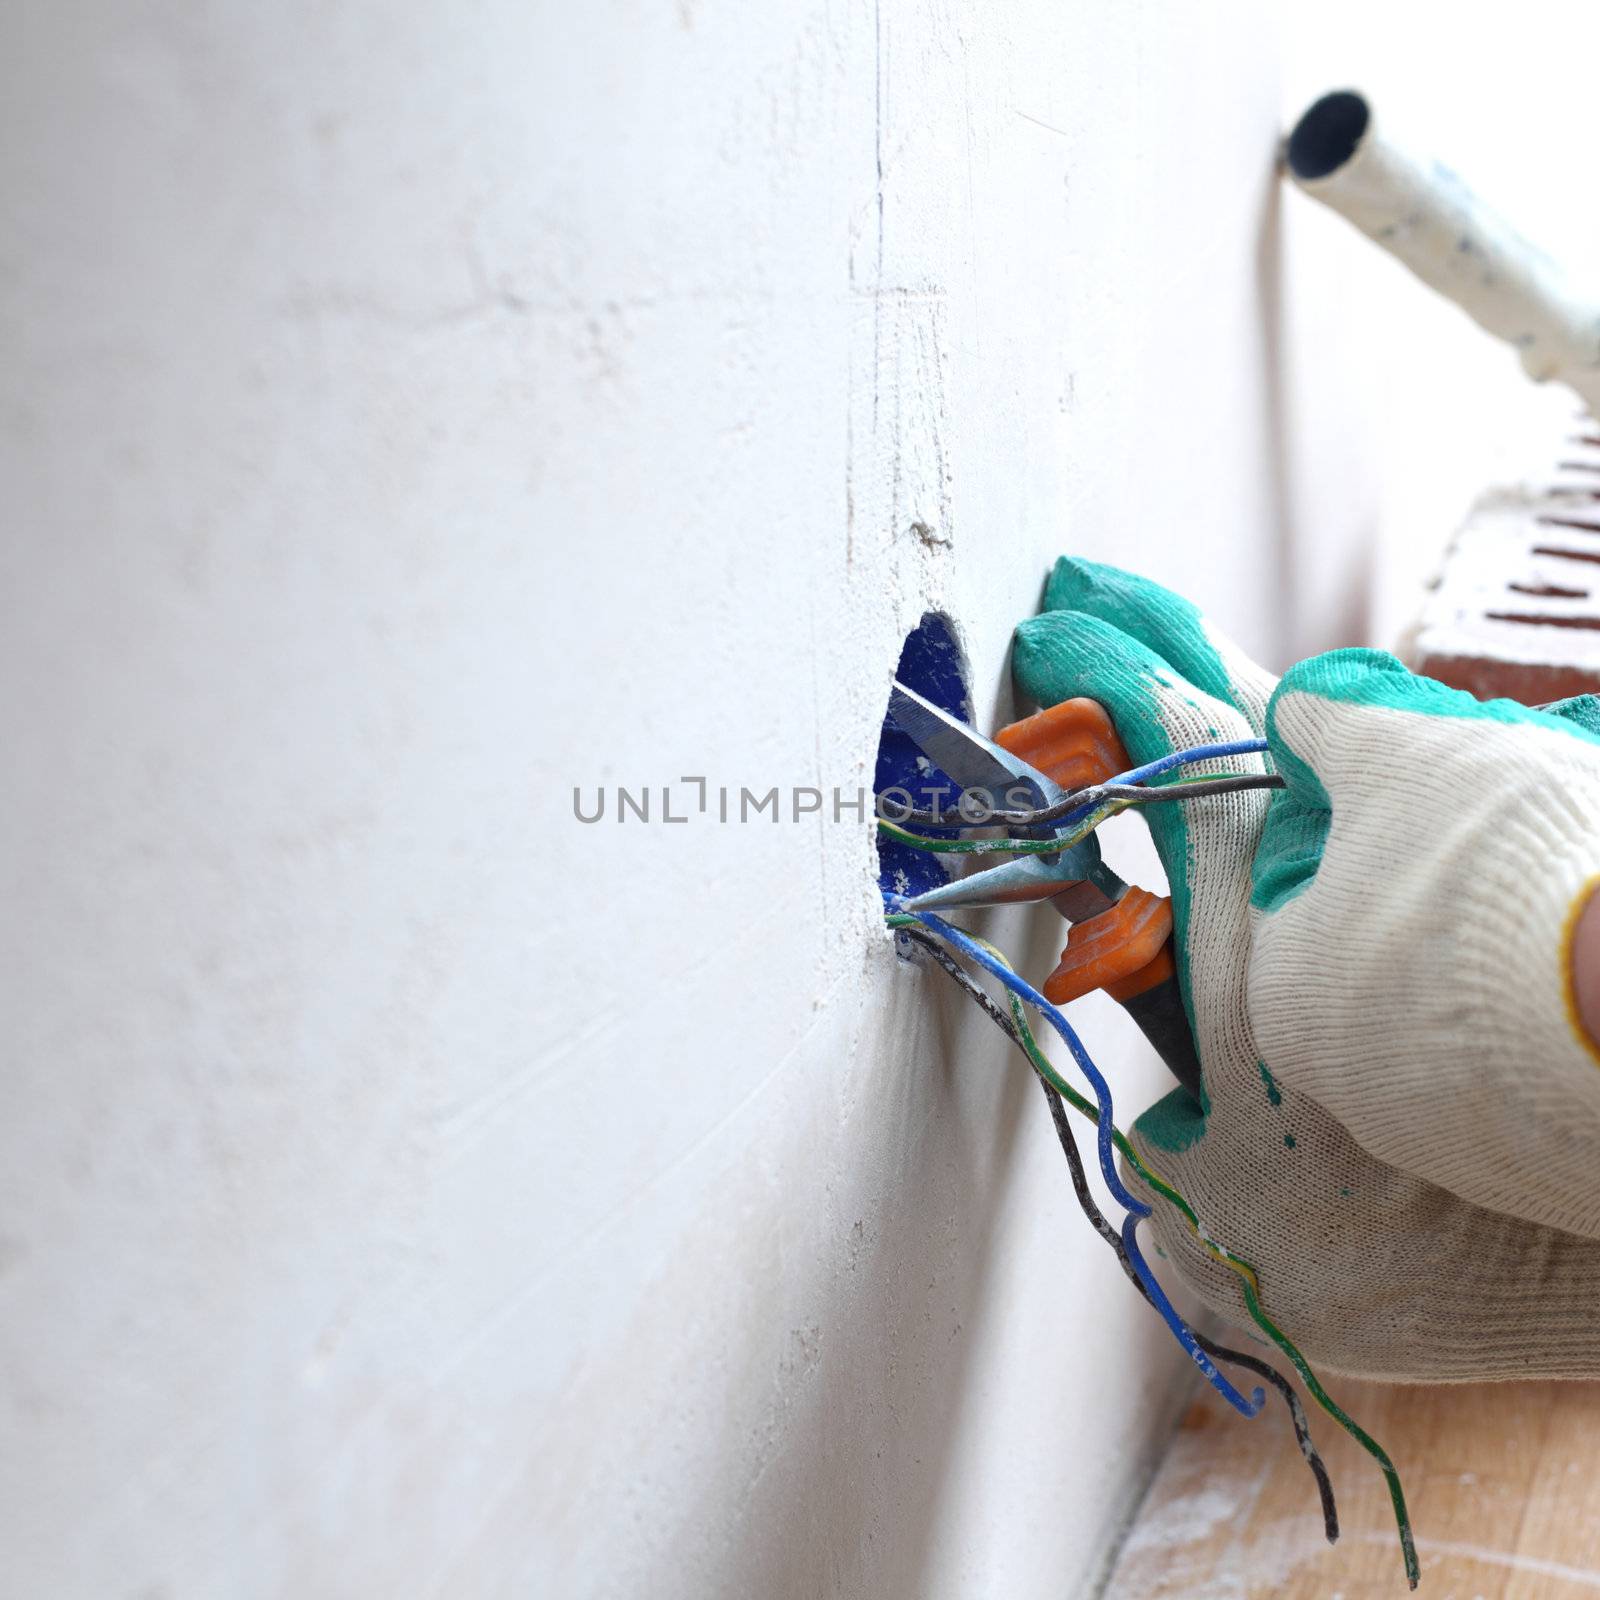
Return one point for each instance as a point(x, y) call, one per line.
point(1401, 1118)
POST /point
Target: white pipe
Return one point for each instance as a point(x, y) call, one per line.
point(1422, 213)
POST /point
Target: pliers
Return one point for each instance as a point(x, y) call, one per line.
point(1121, 936)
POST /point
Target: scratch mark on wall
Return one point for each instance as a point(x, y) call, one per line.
point(1039, 122)
point(849, 486)
point(972, 200)
point(877, 118)
point(816, 747)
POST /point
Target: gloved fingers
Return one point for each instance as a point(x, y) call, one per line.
point(1164, 622)
point(1339, 710)
point(1582, 710)
point(1061, 654)
point(1411, 967)
point(1369, 1271)
point(1332, 731)
point(1358, 733)
point(1205, 844)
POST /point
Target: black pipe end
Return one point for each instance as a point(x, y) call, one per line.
point(1327, 135)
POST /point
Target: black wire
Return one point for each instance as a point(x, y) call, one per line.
point(1094, 795)
point(1097, 1221)
point(1217, 1352)
point(975, 991)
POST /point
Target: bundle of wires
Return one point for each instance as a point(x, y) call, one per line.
point(1080, 814)
point(1016, 1029)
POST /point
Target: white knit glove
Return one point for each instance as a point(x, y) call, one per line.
point(1401, 1127)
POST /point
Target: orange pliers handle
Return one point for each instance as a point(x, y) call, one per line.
point(1126, 950)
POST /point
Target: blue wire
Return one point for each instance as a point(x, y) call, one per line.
point(1198, 752)
point(1136, 1208)
point(1180, 1329)
point(1020, 985)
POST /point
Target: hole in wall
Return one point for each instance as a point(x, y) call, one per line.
point(932, 664)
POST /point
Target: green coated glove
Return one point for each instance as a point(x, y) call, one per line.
point(1400, 1123)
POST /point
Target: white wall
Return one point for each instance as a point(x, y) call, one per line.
point(411, 411)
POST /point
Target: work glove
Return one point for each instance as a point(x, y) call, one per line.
point(1399, 1123)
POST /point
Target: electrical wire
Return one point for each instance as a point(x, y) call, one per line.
point(1056, 843)
point(1250, 1282)
point(1096, 1220)
point(998, 847)
point(970, 985)
point(1092, 797)
point(1084, 800)
point(992, 961)
point(1217, 1352)
point(1137, 1209)
point(1182, 788)
point(1073, 809)
point(1109, 799)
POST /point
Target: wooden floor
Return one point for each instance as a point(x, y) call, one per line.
point(1503, 1482)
